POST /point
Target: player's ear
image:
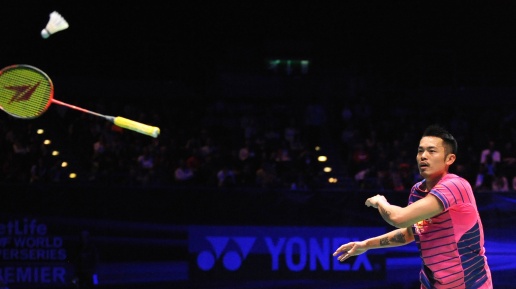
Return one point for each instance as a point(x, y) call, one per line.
point(450, 159)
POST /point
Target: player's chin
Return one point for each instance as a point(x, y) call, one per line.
point(424, 173)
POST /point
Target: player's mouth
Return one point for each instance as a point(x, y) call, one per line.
point(423, 165)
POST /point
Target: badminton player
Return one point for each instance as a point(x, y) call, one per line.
point(441, 217)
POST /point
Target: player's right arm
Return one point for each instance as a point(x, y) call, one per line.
point(395, 238)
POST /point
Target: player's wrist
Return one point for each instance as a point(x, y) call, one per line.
point(382, 202)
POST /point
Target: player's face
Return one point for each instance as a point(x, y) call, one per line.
point(432, 160)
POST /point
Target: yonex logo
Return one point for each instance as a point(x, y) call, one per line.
point(231, 250)
point(263, 252)
point(23, 92)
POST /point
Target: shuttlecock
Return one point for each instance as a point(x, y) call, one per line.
point(55, 24)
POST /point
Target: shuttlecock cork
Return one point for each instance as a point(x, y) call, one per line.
point(55, 24)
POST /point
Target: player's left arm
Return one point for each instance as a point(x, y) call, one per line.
point(403, 217)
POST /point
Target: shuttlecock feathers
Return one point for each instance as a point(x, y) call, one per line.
point(55, 24)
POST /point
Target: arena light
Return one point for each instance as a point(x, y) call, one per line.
point(322, 159)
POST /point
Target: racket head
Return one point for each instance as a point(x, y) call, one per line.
point(25, 91)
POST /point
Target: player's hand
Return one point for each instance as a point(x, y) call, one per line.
point(373, 201)
point(350, 249)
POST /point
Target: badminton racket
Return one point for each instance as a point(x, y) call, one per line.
point(26, 92)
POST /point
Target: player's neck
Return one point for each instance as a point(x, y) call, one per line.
point(430, 182)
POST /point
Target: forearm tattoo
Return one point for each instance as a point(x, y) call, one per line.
point(398, 238)
point(385, 215)
point(384, 241)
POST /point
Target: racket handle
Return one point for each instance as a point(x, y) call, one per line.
point(137, 126)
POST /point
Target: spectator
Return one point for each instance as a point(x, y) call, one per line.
point(486, 174)
point(491, 155)
point(183, 174)
point(145, 165)
point(500, 183)
point(315, 118)
point(508, 164)
point(246, 163)
point(360, 158)
point(38, 171)
point(266, 176)
point(226, 177)
point(291, 131)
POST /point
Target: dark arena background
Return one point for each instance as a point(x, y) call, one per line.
point(278, 120)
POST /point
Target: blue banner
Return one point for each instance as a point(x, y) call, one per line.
point(31, 256)
point(279, 252)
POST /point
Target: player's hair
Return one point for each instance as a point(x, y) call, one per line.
point(448, 139)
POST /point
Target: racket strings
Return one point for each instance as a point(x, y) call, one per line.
point(24, 92)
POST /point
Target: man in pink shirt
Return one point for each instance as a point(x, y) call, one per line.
point(441, 216)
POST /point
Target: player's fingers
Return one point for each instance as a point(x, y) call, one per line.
point(344, 249)
point(344, 257)
point(348, 252)
point(341, 249)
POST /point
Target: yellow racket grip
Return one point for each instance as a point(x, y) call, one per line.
point(137, 126)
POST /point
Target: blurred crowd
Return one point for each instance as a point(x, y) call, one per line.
point(381, 142)
point(259, 144)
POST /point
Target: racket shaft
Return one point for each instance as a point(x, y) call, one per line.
point(137, 126)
